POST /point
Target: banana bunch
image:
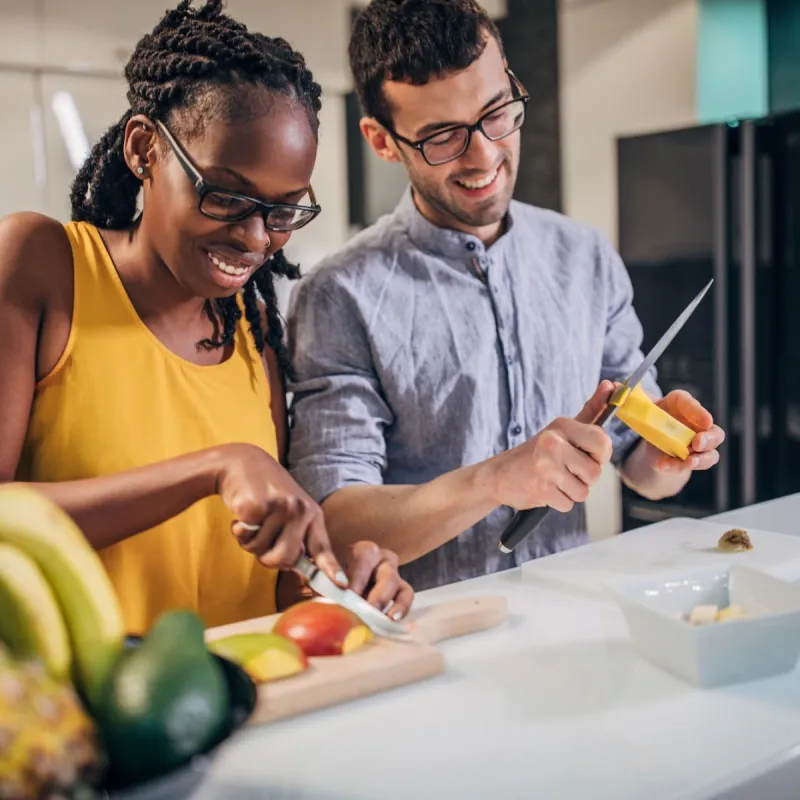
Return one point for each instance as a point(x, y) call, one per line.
point(57, 604)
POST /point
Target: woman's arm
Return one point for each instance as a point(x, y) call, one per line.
point(32, 249)
point(111, 508)
point(36, 287)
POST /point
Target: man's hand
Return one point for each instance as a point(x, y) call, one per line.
point(655, 475)
point(555, 468)
point(703, 452)
point(558, 466)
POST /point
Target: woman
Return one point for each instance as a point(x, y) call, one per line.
point(141, 372)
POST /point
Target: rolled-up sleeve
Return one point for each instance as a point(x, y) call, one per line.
point(337, 414)
point(622, 351)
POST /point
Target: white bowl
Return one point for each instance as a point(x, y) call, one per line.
point(766, 643)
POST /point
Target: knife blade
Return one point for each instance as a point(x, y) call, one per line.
point(635, 378)
point(376, 621)
point(524, 522)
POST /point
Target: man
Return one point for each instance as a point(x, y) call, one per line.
point(441, 356)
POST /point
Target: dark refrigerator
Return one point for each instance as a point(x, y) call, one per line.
point(721, 201)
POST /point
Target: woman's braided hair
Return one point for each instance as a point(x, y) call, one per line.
point(194, 56)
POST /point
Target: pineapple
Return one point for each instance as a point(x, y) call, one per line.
point(48, 744)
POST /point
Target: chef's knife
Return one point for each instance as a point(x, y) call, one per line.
point(378, 622)
point(524, 522)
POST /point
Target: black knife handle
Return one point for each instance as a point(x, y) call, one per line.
point(520, 526)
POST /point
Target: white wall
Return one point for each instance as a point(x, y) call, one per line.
point(81, 46)
point(627, 66)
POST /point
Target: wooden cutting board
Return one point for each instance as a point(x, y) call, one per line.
point(382, 664)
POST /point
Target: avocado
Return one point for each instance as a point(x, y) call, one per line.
point(167, 701)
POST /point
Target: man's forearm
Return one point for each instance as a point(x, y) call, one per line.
point(411, 520)
point(639, 474)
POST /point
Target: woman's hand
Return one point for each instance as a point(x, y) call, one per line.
point(374, 574)
point(260, 492)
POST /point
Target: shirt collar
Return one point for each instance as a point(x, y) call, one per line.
point(442, 241)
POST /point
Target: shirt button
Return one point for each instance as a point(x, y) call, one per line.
point(470, 246)
point(509, 359)
point(516, 430)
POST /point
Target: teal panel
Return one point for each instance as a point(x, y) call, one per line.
point(732, 60)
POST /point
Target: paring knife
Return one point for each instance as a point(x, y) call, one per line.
point(524, 522)
point(378, 622)
point(374, 619)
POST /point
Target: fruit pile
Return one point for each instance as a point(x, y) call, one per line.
point(308, 629)
point(81, 707)
point(48, 744)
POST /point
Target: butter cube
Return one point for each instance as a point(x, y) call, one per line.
point(704, 615)
point(731, 613)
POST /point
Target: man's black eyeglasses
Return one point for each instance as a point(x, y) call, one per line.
point(227, 206)
point(451, 143)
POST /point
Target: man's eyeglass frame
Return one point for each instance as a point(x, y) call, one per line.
point(419, 144)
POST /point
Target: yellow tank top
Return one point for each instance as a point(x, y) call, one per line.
point(119, 399)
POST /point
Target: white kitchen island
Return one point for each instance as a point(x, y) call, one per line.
point(554, 705)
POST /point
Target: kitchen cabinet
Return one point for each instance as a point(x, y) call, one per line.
point(20, 41)
point(23, 176)
point(77, 111)
point(94, 35)
point(99, 35)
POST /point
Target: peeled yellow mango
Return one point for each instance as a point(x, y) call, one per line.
point(655, 425)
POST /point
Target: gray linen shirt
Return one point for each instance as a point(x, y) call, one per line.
point(418, 351)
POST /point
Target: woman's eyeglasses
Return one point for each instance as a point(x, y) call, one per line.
point(451, 143)
point(227, 206)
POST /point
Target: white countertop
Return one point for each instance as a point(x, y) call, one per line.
point(779, 516)
point(552, 704)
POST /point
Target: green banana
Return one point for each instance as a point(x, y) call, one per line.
point(31, 624)
point(37, 526)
